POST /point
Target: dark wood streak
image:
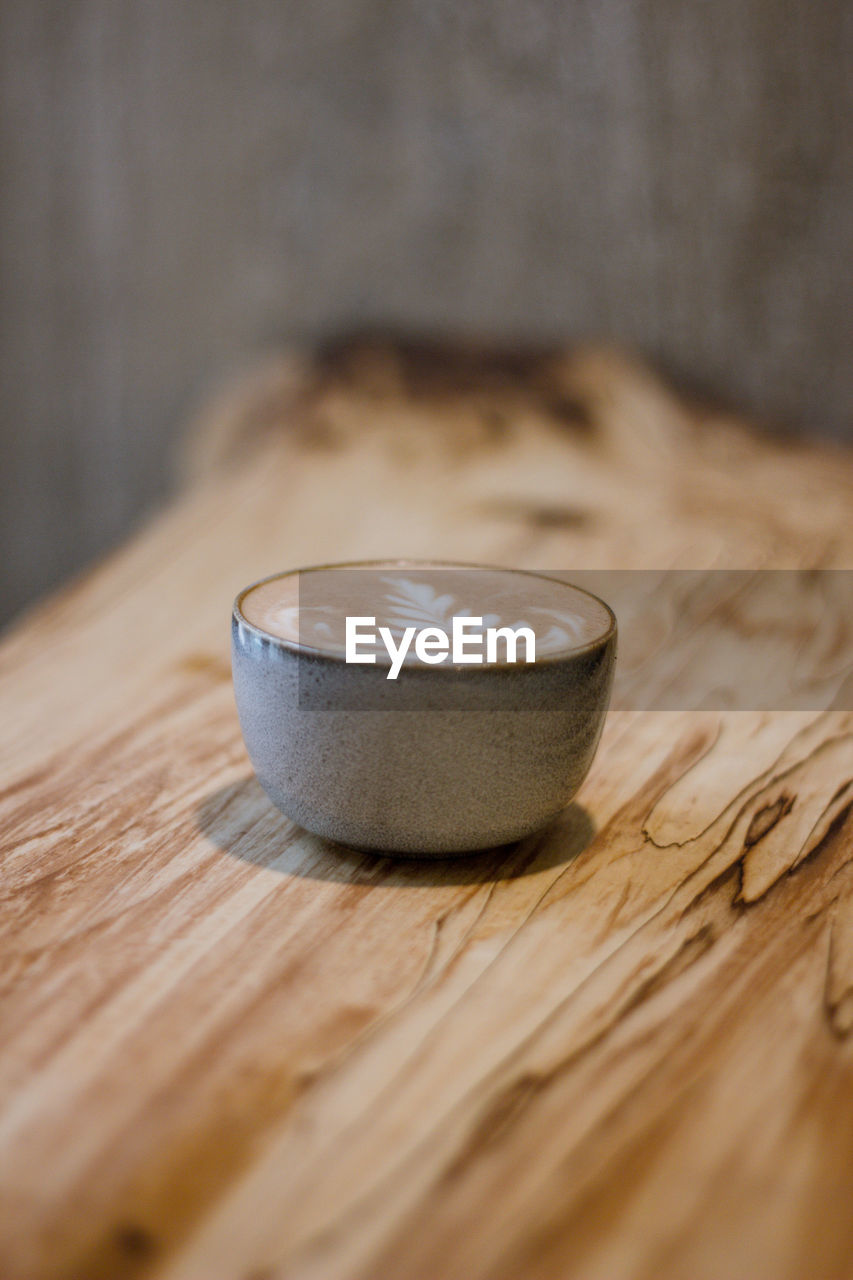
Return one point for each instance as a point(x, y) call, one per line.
point(765, 820)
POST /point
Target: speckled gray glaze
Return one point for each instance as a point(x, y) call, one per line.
point(444, 760)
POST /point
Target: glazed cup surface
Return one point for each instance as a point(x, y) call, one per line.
point(444, 760)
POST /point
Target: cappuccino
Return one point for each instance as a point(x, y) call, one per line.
point(319, 609)
point(410, 748)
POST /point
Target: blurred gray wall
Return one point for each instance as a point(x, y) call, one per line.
point(186, 181)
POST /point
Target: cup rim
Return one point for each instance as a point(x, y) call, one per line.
point(311, 651)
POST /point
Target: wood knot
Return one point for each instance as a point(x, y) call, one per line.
point(840, 1013)
point(766, 819)
point(135, 1241)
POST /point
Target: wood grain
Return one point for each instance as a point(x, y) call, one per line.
point(618, 1050)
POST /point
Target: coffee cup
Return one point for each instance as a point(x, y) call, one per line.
point(367, 728)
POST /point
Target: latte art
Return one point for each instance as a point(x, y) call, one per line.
point(311, 608)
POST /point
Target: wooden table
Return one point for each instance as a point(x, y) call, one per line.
point(233, 1052)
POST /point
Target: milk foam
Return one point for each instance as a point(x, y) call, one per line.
point(310, 607)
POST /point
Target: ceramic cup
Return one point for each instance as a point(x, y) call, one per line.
point(445, 759)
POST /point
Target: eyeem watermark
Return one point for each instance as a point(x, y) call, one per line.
point(468, 641)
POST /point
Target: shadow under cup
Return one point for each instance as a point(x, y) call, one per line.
point(444, 759)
